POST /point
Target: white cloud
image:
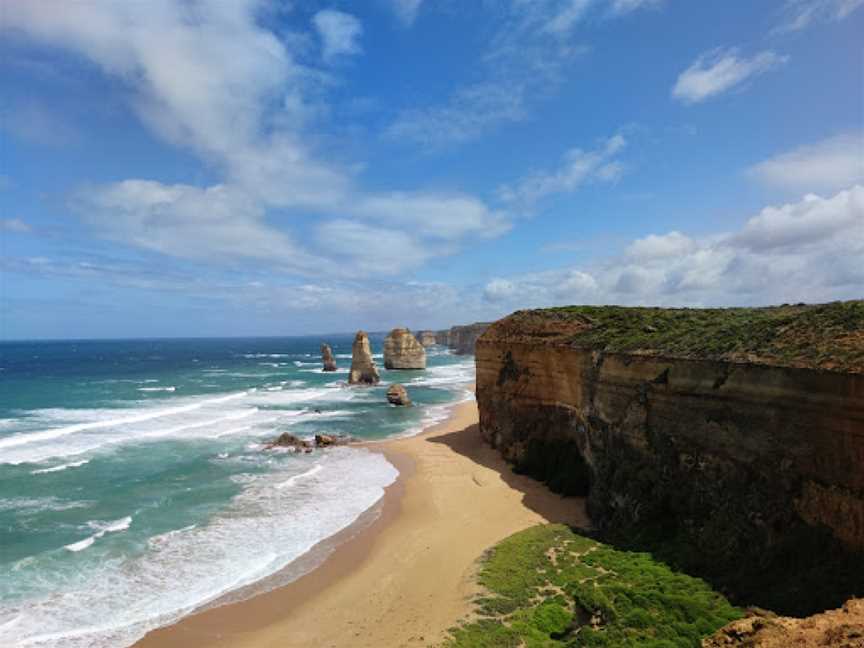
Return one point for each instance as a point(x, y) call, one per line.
point(800, 14)
point(808, 223)
point(216, 223)
point(578, 167)
point(720, 70)
point(811, 250)
point(446, 217)
point(406, 10)
point(530, 52)
point(373, 249)
point(656, 246)
point(567, 16)
point(340, 33)
point(525, 59)
point(15, 225)
point(207, 76)
point(824, 166)
point(627, 6)
point(470, 112)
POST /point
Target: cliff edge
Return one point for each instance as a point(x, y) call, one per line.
point(730, 441)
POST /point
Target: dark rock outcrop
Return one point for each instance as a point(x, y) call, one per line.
point(288, 440)
point(398, 395)
point(729, 442)
point(327, 358)
point(363, 369)
point(403, 351)
point(327, 440)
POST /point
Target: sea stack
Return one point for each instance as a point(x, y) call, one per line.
point(363, 369)
point(398, 395)
point(327, 358)
point(426, 338)
point(403, 351)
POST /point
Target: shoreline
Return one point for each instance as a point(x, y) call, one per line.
point(401, 574)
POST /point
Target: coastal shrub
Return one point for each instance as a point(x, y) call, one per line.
point(548, 587)
point(821, 335)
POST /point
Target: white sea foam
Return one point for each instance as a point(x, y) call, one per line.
point(261, 531)
point(80, 546)
point(73, 464)
point(314, 470)
point(39, 504)
point(73, 432)
point(111, 527)
point(141, 416)
point(454, 375)
point(170, 388)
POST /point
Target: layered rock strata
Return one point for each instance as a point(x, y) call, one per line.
point(327, 358)
point(730, 441)
point(403, 351)
point(363, 369)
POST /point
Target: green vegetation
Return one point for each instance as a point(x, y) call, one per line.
point(548, 587)
point(829, 336)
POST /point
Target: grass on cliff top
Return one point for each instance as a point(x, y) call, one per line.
point(829, 336)
point(548, 587)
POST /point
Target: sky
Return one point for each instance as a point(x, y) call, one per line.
point(286, 167)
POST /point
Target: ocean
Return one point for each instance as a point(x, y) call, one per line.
point(135, 488)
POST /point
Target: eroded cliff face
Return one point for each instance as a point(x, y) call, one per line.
point(750, 473)
point(463, 339)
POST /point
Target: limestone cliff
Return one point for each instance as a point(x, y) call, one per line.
point(462, 339)
point(363, 369)
point(403, 351)
point(730, 440)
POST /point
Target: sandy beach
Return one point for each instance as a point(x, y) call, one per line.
point(406, 577)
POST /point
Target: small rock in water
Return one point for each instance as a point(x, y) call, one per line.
point(288, 440)
point(398, 395)
point(325, 440)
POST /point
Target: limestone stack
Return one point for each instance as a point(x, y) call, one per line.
point(427, 338)
point(363, 369)
point(403, 351)
point(327, 358)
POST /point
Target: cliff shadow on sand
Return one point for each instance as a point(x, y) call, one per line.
point(563, 509)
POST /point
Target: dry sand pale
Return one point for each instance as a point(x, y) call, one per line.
point(409, 576)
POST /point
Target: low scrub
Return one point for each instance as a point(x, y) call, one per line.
point(548, 587)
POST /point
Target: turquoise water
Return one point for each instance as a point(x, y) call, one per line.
point(133, 482)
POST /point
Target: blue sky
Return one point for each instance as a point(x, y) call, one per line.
point(262, 167)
